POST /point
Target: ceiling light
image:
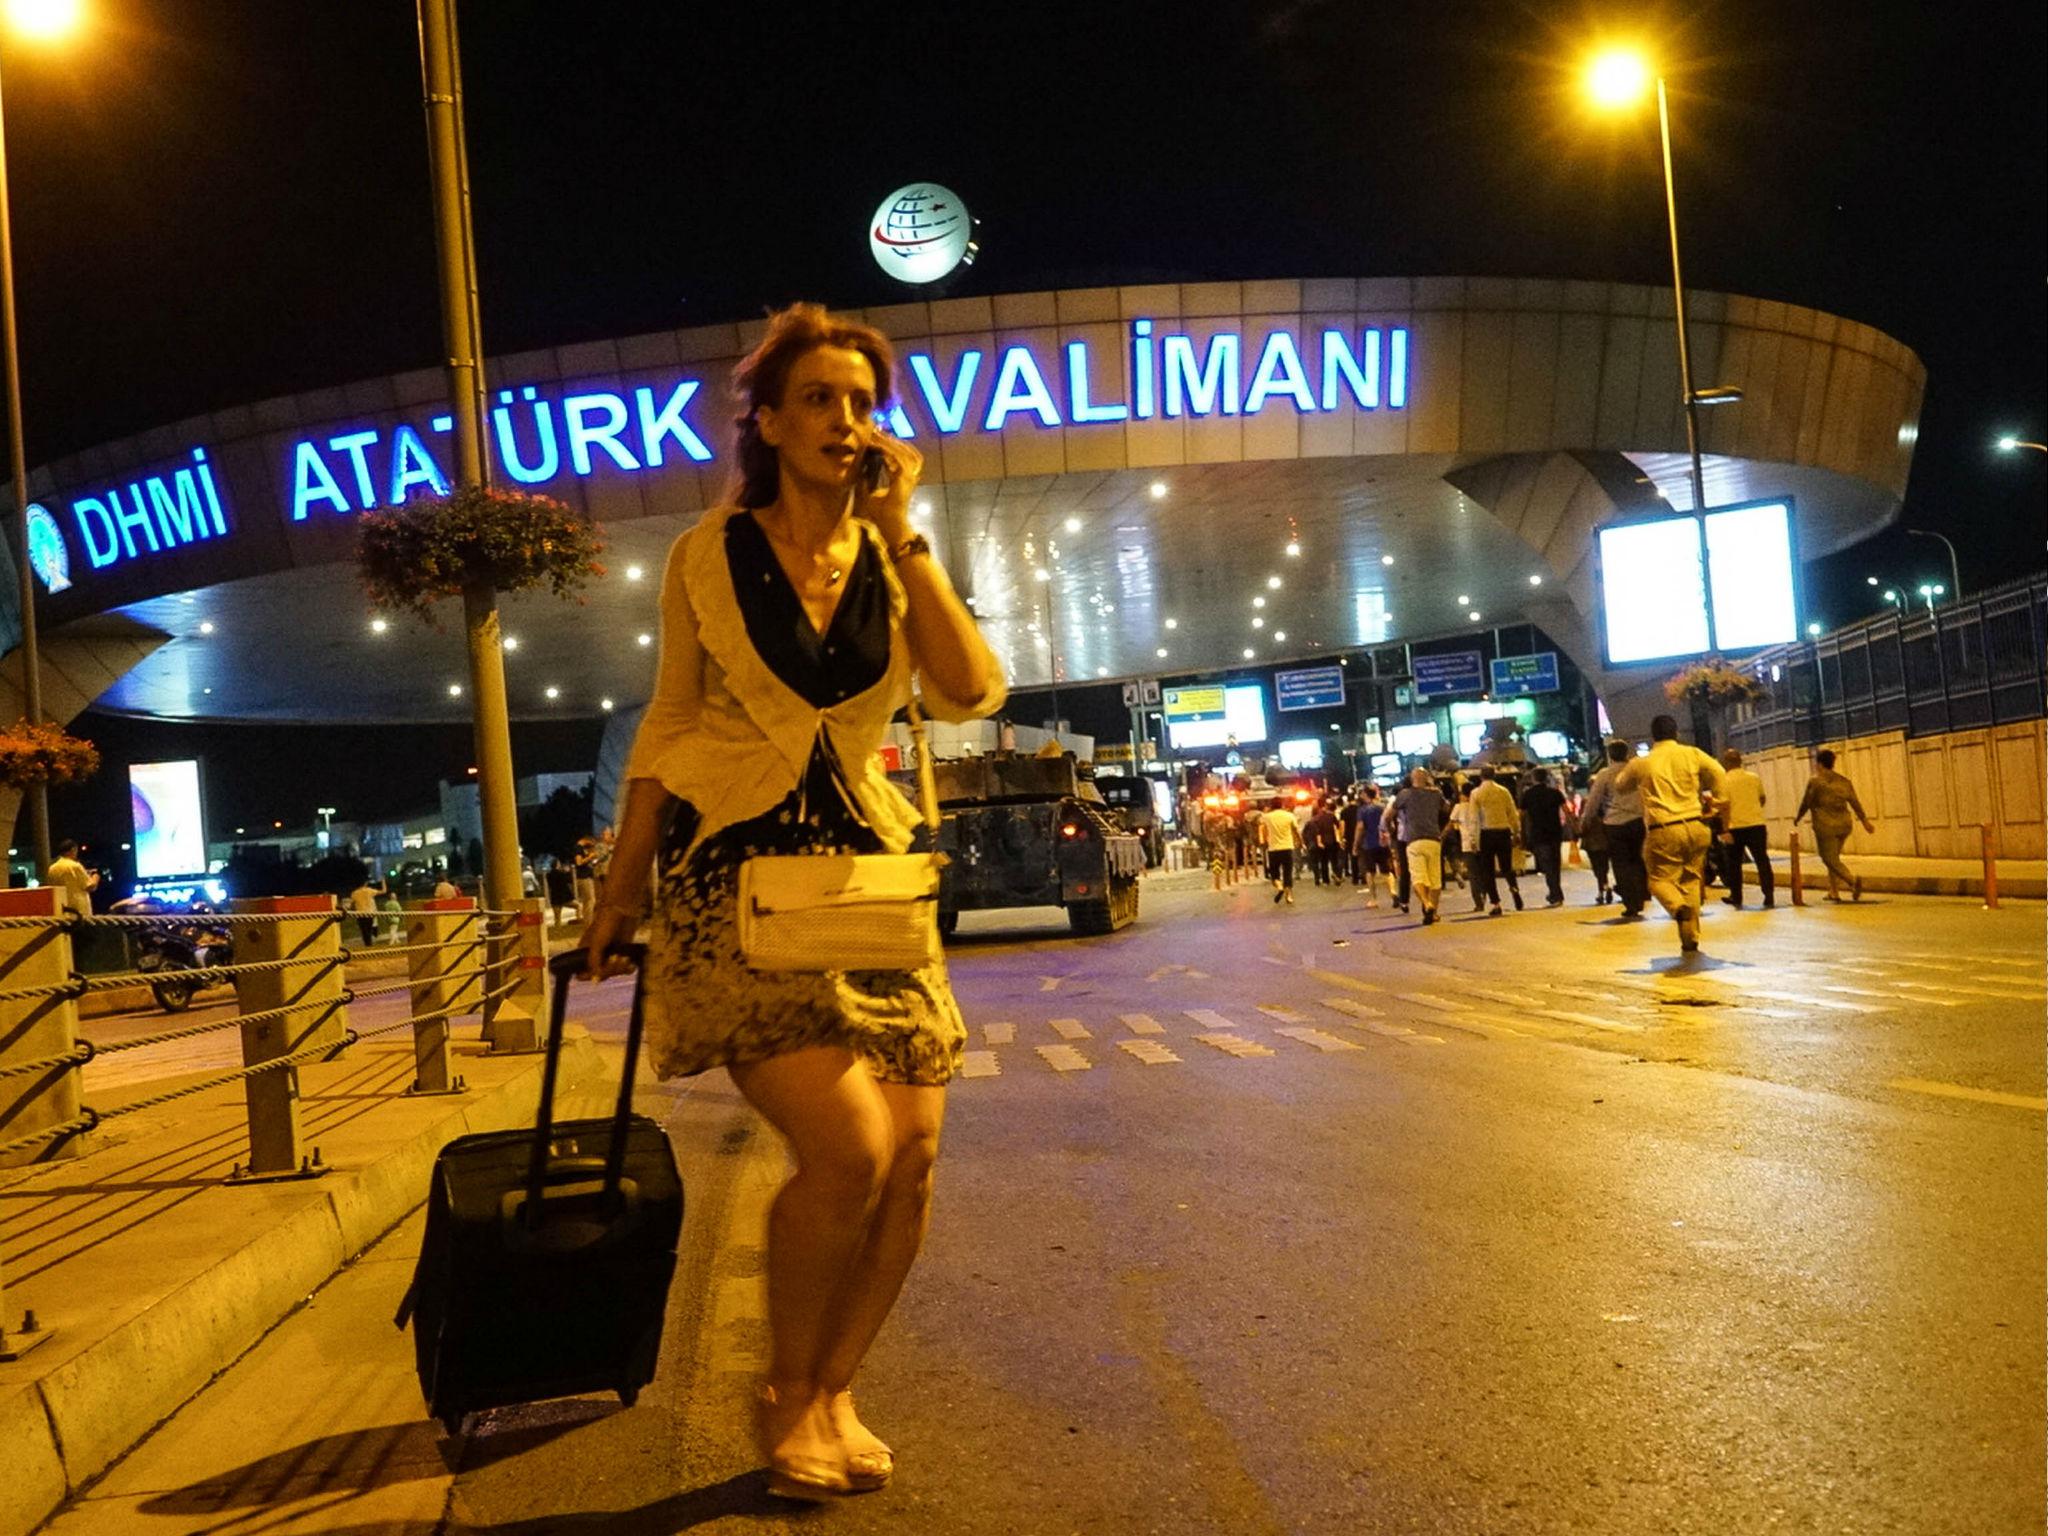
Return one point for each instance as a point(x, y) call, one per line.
point(1464, 600)
point(1294, 550)
point(1173, 623)
point(634, 573)
point(1273, 583)
point(1386, 559)
point(1257, 622)
point(206, 626)
point(1102, 671)
point(1279, 634)
point(455, 690)
point(378, 626)
point(1473, 615)
point(206, 690)
point(1258, 602)
point(643, 638)
point(1042, 574)
point(604, 704)
point(1160, 653)
point(1158, 489)
point(553, 693)
point(1535, 581)
point(1072, 525)
point(511, 642)
point(1247, 653)
point(1870, 580)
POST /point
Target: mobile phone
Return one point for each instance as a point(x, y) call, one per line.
point(873, 472)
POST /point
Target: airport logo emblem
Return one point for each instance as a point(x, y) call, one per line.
point(922, 232)
point(47, 556)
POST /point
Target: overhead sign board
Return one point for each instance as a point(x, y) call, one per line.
point(1450, 672)
point(1692, 583)
point(1207, 703)
point(1525, 674)
point(1309, 688)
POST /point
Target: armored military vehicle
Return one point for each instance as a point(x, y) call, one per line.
point(1031, 832)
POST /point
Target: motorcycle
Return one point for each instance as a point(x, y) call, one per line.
point(185, 957)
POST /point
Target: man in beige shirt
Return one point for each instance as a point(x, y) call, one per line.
point(1672, 778)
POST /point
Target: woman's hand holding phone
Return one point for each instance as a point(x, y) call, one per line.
point(888, 471)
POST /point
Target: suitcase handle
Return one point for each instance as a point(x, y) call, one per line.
point(563, 968)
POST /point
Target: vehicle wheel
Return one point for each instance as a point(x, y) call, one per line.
point(1091, 917)
point(948, 921)
point(172, 996)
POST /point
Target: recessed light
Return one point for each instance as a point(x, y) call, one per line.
point(1294, 550)
point(1473, 615)
point(1247, 653)
point(1173, 623)
point(1535, 581)
point(1042, 574)
point(378, 626)
point(553, 693)
point(1158, 489)
point(1257, 622)
point(1386, 559)
point(511, 642)
point(1279, 634)
point(1072, 525)
point(1258, 602)
point(206, 626)
point(455, 690)
point(605, 704)
point(1102, 671)
point(1464, 599)
point(634, 572)
point(1273, 583)
point(206, 690)
point(1160, 653)
point(643, 638)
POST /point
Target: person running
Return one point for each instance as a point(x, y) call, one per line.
point(1369, 850)
point(796, 620)
point(1743, 833)
point(1280, 835)
point(1498, 821)
point(1422, 810)
point(1831, 799)
point(1619, 809)
point(1542, 810)
point(1675, 781)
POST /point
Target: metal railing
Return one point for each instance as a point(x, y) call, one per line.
point(1973, 663)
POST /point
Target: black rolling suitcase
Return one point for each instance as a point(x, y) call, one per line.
point(546, 1263)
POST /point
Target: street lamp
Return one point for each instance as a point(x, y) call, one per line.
point(1616, 78)
point(42, 20)
point(2014, 444)
point(1955, 571)
point(1930, 591)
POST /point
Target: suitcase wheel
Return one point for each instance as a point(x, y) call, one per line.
point(629, 1395)
point(456, 1425)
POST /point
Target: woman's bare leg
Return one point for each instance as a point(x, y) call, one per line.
point(838, 1125)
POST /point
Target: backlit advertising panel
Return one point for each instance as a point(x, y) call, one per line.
point(170, 824)
point(1243, 719)
point(1672, 587)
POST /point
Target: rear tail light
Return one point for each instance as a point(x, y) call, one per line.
point(1070, 829)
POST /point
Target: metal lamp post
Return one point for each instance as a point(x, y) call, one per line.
point(1955, 571)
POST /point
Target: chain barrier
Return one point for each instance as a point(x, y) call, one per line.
point(186, 919)
point(77, 1056)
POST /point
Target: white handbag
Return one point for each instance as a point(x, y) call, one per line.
point(846, 911)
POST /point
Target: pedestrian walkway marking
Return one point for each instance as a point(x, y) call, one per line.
point(999, 1034)
point(1284, 1015)
point(1339, 979)
point(1320, 1040)
point(1235, 1045)
point(1931, 1002)
point(1142, 1024)
point(1357, 1010)
point(1813, 1002)
point(1368, 1019)
point(1275, 960)
point(1958, 1091)
point(1150, 1052)
point(1162, 972)
point(1070, 1029)
point(1431, 1000)
point(1209, 1017)
point(1064, 1058)
point(2007, 995)
point(1050, 983)
point(979, 1064)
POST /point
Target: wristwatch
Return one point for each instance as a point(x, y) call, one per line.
point(916, 544)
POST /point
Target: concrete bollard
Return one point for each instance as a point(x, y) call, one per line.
point(512, 1024)
point(1798, 885)
point(303, 928)
point(1990, 847)
point(450, 978)
point(34, 1029)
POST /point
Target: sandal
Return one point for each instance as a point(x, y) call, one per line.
point(796, 1474)
point(869, 1462)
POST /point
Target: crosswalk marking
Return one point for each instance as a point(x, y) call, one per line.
point(1356, 1009)
point(1050, 983)
point(1070, 1029)
point(999, 1034)
point(1958, 1091)
point(1235, 1045)
point(1320, 1040)
point(1063, 1058)
point(1813, 1002)
point(1284, 1015)
point(2010, 995)
point(1209, 1018)
point(1339, 979)
point(1275, 960)
point(1931, 1002)
point(1431, 1000)
point(979, 1064)
point(1141, 1024)
point(1151, 1052)
point(1368, 1019)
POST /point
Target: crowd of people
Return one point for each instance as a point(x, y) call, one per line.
point(1664, 825)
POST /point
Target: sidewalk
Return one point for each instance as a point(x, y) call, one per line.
point(152, 1274)
point(2018, 879)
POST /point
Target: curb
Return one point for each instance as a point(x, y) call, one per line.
point(61, 1431)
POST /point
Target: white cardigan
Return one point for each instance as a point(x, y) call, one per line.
point(726, 734)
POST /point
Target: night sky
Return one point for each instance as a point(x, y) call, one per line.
point(217, 200)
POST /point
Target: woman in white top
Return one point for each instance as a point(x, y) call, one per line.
point(792, 622)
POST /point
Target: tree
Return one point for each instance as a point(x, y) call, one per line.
point(553, 826)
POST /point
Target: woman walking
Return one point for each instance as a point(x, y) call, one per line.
point(1831, 800)
point(792, 622)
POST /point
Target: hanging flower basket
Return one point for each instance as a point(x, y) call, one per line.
point(1712, 682)
point(44, 753)
point(412, 556)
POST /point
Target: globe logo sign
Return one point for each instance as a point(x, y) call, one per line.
point(921, 232)
point(47, 556)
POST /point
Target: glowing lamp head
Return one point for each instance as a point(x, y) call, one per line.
point(1617, 77)
point(2008, 444)
point(42, 19)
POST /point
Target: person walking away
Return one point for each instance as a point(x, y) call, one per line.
point(1423, 809)
point(1675, 780)
point(1498, 821)
point(1593, 842)
point(796, 621)
point(561, 884)
point(1370, 848)
point(1347, 839)
point(1744, 832)
point(1280, 835)
point(1322, 845)
point(1831, 800)
point(1461, 846)
point(1619, 810)
point(363, 902)
point(1543, 833)
point(73, 879)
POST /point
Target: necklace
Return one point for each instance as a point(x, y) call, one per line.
point(834, 574)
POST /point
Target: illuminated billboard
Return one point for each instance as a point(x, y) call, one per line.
point(1214, 716)
point(1680, 586)
point(170, 826)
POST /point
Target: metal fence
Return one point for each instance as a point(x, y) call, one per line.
point(1973, 663)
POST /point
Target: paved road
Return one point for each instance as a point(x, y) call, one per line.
point(1310, 1220)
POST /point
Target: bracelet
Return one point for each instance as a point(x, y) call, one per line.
point(916, 544)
